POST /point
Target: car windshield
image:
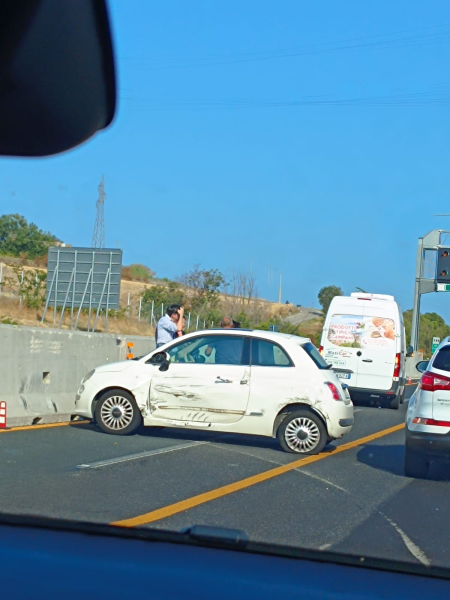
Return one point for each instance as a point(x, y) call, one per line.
point(272, 188)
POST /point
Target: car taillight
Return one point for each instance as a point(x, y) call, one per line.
point(423, 421)
point(321, 349)
point(432, 383)
point(397, 365)
point(334, 390)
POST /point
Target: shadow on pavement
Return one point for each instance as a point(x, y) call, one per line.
point(217, 437)
point(194, 435)
point(390, 459)
point(384, 458)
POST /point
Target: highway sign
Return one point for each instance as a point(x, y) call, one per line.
point(435, 344)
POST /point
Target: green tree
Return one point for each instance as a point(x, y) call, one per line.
point(430, 325)
point(31, 284)
point(203, 287)
point(326, 295)
point(20, 238)
point(161, 295)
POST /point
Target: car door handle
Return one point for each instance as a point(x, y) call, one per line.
point(220, 380)
point(367, 360)
point(244, 381)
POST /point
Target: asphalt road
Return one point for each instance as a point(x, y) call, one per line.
point(352, 498)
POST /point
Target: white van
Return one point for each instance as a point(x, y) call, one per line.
point(364, 339)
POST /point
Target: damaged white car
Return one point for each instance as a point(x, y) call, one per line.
point(236, 381)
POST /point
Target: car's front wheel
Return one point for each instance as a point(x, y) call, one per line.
point(116, 412)
point(302, 432)
point(416, 465)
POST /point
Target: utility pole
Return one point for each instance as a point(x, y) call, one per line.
point(98, 237)
point(279, 291)
point(425, 284)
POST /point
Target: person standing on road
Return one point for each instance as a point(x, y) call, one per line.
point(170, 326)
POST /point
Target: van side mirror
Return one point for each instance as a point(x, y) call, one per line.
point(162, 359)
point(422, 366)
point(410, 351)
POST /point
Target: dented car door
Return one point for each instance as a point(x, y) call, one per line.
point(206, 382)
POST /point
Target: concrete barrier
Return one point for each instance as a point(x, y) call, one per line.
point(411, 362)
point(41, 369)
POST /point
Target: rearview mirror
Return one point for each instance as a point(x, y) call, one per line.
point(410, 351)
point(57, 75)
point(422, 366)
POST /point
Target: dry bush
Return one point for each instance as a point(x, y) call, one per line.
point(137, 272)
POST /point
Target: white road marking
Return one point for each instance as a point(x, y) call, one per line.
point(120, 459)
point(326, 481)
point(302, 471)
point(412, 547)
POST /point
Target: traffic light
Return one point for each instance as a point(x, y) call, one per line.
point(443, 266)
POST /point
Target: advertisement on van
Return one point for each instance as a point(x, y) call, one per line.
point(357, 331)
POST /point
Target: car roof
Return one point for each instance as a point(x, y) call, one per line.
point(276, 336)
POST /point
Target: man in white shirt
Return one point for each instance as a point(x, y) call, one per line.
point(170, 326)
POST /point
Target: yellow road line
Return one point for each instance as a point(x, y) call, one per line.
point(43, 426)
point(177, 507)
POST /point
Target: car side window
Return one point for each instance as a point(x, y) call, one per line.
point(269, 354)
point(209, 349)
point(442, 360)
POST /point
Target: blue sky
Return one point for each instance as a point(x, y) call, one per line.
point(309, 137)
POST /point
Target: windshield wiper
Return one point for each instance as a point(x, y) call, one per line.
point(222, 535)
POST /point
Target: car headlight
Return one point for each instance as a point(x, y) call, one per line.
point(88, 376)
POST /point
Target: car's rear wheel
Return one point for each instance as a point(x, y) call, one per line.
point(302, 432)
point(117, 413)
point(416, 465)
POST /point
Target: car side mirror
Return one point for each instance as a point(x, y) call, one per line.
point(410, 351)
point(162, 359)
point(422, 366)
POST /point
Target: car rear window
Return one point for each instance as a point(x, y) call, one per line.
point(442, 360)
point(315, 355)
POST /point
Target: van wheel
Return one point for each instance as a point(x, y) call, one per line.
point(117, 413)
point(302, 432)
point(395, 403)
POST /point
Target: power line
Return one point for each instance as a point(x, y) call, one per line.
point(431, 98)
point(435, 37)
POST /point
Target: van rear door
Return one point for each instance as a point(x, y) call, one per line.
point(377, 346)
point(340, 342)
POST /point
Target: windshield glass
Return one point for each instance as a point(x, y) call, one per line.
point(265, 158)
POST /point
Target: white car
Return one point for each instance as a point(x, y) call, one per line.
point(428, 414)
point(236, 381)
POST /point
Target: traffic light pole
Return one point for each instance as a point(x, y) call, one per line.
point(423, 285)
